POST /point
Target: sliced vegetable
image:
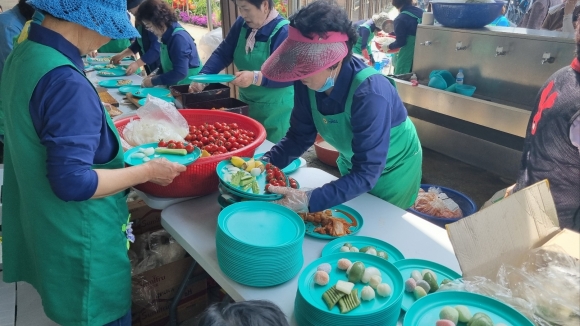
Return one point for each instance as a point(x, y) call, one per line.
point(255, 187)
point(137, 155)
point(163, 150)
point(344, 287)
point(331, 297)
point(349, 302)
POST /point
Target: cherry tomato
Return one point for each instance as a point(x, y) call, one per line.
point(171, 145)
point(188, 137)
point(293, 185)
point(282, 183)
point(213, 133)
point(179, 145)
point(210, 128)
point(217, 125)
point(211, 139)
point(205, 133)
point(233, 125)
point(232, 139)
point(236, 144)
point(191, 129)
point(204, 140)
point(277, 174)
point(267, 188)
point(222, 139)
point(162, 143)
point(228, 145)
point(233, 149)
point(268, 166)
point(227, 134)
point(189, 148)
point(222, 149)
point(274, 182)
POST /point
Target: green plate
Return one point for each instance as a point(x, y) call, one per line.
point(111, 83)
point(185, 160)
point(312, 293)
point(338, 211)
point(406, 266)
point(291, 168)
point(217, 78)
point(333, 247)
point(128, 89)
point(111, 72)
point(426, 310)
point(261, 224)
point(157, 92)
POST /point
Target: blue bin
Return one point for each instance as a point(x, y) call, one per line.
point(465, 203)
point(466, 15)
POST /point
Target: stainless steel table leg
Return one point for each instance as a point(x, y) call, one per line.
point(179, 294)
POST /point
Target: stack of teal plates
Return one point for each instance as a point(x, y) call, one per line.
point(259, 243)
point(310, 309)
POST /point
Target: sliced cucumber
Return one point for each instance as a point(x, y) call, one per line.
point(170, 151)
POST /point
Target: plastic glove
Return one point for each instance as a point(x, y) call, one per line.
point(295, 199)
point(196, 87)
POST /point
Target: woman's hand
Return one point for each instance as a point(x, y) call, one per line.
point(162, 171)
point(296, 200)
point(131, 69)
point(93, 54)
point(244, 79)
point(196, 87)
point(147, 82)
point(116, 59)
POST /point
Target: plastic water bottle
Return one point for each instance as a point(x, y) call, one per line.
point(459, 79)
point(385, 65)
point(377, 66)
point(414, 81)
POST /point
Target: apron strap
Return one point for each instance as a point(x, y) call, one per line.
point(419, 20)
point(280, 24)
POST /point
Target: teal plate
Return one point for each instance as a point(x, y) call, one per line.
point(157, 92)
point(406, 266)
point(166, 99)
point(340, 211)
point(142, 101)
point(333, 247)
point(104, 67)
point(217, 78)
point(261, 224)
point(111, 83)
point(291, 168)
point(184, 160)
point(111, 73)
point(426, 310)
point(128, 89)
point(261, 179)
point(312, 292)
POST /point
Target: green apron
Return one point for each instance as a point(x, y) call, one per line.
point(73, 253)
point(400, 180)
point(358, 47)
point(269, 106)
point(115, 46)
point(404, 62)
point(167, 65)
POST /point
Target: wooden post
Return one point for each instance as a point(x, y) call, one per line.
point(229, 16)
point(209, 14)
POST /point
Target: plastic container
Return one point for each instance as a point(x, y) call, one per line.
point(466, 90)
point(226, 104)
point(200, 178)
point(460, 77)
point(467, 206)
point(449, 78)
point(437, 81)
point(414, 81)
point(325, 152)
point(184, 99)
point(466, 15)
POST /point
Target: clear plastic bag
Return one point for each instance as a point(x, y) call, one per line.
point(545, 288)
point(158, 120)
point(435, 203)
point(143, 294)
point(209, 42)
point(155, 249)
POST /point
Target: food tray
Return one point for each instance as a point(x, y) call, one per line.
point(230, 104)
point(184, 99)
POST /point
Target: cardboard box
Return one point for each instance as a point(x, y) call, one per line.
point(506, 231)
point(144, 218)
point(166, 281)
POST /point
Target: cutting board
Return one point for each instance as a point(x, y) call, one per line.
point(133, 99)
point(107, 98)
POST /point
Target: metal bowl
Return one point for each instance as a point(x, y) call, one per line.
point(466, 15)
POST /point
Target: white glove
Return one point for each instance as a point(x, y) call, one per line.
point(295, 199)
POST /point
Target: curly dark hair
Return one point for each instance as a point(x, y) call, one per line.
point(244, 313)
point(25, 9)
point(158, 12)
point(401, 3)
point(324, 16)
point(258, 3)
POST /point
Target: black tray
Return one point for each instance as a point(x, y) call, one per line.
point(227, 104)
point(183, 99)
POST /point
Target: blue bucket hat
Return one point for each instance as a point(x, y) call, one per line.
point(106, 17)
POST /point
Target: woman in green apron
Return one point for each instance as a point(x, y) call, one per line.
point(179, 57)
point(254, 36)
point(352, 106)
point(367, 30)
point(65, 218)
point(405, 31)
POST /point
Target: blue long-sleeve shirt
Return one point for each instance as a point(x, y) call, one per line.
point(405, 25)
point(11, 24)
point(68, 117)
point(223, 56)
point(376, 108)
point(182, 53)
point(364, 32)
point(149, 55)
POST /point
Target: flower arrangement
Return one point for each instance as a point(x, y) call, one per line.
point(195, 12)
point(282, 7)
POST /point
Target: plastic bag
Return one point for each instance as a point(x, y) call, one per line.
point(158, 120)
point(545, 288)
point(155, 249)
point(143, 294)
point(436, 203)
point(209, 42)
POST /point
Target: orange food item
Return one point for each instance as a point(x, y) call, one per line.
point(330, 225)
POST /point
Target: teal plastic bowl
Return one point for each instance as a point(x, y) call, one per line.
point(466, 90)
point(437, 81)
point(452, 88)
point(449, 79)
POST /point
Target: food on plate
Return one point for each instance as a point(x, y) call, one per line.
point(122, 82)
point(333, 226)
point(480, 319)
point(101, 59)
point(367, 293)
point(349, 302)
point(367, 248)
point(347, 244)
point(355, 272)
point(445, 281)
point(347, 247)
point(444, 322)
point(171, 151)
point(219, 138)
point(237, 161)
point(353, 249)
point(344, 287)
point(419, 292)
point(431, 279)
point(344, 249)
point(344, 264)
point(416, 275)
point(275, 176)
point(464, 315)
point(371, 251)
point(106, 73)
point(370, 272)
point(410, 284)
point(384, 290)
point(173, 144)
point(331, 297)
point(424, 285)
point(143, 154)
point(375, 281)
point(325, 267)
point(436, 203)
point(449, 313)
point(321, 278)
point(383, 254)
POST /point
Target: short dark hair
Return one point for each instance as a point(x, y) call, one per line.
point(158, 12)
point(401, 3)
point(245, 313)
point(25, 9)
point(323, 16)
point(258, 3)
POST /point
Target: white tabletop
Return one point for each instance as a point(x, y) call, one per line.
point(193, 225)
